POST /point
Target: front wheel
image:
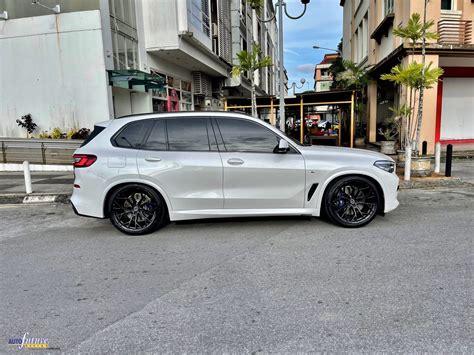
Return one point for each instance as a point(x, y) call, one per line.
point(137, 209)
point(352, 201)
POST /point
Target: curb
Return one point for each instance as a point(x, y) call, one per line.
point(427, 183)
point(35, 198)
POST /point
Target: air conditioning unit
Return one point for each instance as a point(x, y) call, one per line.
point(215, 30)
point(202, 84)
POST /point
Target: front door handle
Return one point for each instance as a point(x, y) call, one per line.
point(153, 159)
point(235, 161)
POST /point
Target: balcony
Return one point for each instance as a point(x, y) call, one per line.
point(454, 31)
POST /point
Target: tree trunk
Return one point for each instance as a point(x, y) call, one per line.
point(422, 89)
point(407, 174)
point(254, 97)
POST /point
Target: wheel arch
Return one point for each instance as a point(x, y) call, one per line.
point(325, 188)
point(112, 188)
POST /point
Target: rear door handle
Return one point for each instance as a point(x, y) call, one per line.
point(153, 159)
point(235, 161)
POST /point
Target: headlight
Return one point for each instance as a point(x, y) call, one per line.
point(387, 165)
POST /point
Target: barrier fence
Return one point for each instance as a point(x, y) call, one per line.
point(38, 151)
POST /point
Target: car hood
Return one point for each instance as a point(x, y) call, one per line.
point(348, 153)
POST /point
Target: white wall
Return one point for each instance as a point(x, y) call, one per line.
point(457, 118)
point(52, 67)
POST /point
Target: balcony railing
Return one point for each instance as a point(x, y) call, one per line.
point(454, 31)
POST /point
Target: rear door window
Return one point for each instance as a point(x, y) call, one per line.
point(188, 134)
point(157, 138)
point(132, 135)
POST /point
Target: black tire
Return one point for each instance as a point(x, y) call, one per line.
point(137, 209)
point(352, 201)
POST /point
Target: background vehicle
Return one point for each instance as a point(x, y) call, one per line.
point(141, 171)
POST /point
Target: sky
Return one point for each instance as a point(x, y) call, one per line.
point(321, 25)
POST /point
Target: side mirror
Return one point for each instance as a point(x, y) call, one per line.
point(283, 147)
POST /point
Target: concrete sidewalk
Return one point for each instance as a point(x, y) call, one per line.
point(59, 184)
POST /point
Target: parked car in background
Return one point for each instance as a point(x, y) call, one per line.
point(141, 171)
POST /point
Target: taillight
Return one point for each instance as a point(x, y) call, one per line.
point(83, 160)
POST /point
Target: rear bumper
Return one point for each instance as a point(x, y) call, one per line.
point(80, 214)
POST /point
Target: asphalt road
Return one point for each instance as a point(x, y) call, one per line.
point(403, 283)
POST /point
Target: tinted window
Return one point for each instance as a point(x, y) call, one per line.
point(157, 138)
point(187, 134)
point(246, 136)
point(132, 135)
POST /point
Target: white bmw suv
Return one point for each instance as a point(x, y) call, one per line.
point(144, 170)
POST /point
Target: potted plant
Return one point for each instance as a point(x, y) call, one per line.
point(412, 80)
point(390, 134)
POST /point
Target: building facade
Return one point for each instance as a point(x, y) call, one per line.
point(448, 115)
point(99, 59)
point(322, 77)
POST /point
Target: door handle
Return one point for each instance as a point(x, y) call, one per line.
point(153, 159)
point(235, 161)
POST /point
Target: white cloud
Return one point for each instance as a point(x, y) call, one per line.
point(305, 68)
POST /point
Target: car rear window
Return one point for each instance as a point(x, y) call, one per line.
point(95, 132)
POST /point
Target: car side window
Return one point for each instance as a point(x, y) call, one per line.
point(157, 138)
point(188, 134)
point(132, 135)
point(246, 136)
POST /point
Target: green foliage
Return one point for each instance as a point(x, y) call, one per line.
point(27, 123)
point(44, 135)
point(413, 77)
point(414, 29)
point(249, 61)
point(70, 133)
point(83, 133)
point(257, 5)
point(352, 77)
point(56, 133)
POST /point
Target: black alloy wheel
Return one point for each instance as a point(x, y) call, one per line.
point(352, 201)
point(137, 209)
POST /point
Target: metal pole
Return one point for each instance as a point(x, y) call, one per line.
point(437, 168)
point(352, 121)
point(301, 121)
point(449, 160)
point(282, 72)
point(26, 170)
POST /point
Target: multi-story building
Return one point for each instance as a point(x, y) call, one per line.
point(368, 41)
point(322, 77)
point(98, 59)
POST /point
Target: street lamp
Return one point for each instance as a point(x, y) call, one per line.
point(280, 6)
point(294, 86)
point(329, 49)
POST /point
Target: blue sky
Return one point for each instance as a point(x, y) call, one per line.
point(321, 25)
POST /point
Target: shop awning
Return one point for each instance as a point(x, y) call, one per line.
point(136, 80)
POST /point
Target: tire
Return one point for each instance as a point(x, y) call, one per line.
point(137, 209)
point(352, 201)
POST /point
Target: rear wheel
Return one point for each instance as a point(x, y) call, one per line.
point(137, 209)
point(352, 201)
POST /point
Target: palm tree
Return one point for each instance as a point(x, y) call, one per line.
point(414, 31)
point(415, 77)
point(250, 62)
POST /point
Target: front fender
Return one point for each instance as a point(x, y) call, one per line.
point(316, 201)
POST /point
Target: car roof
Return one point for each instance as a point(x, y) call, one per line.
point(185, 114)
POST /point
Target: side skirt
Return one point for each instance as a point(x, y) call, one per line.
point(224, 213)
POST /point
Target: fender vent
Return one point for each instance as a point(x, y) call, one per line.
point(312, 190)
